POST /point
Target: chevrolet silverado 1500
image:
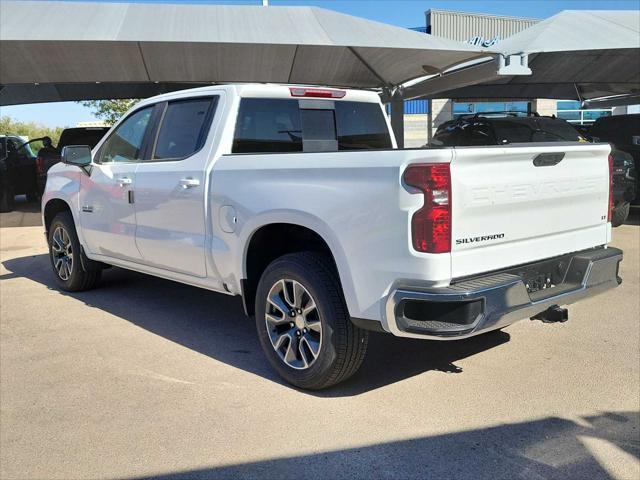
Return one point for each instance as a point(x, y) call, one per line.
point(297, 199)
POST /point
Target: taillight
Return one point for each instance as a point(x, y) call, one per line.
point(610, 212)
point(316, 92)
point(431, 225)
point(40, 164)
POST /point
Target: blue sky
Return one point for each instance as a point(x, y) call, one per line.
point(404, 13)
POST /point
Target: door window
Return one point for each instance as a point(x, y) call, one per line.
point(184, 128)
point(125, 143)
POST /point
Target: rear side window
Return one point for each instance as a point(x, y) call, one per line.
point(535, 130)
point(479, 134)
point(551, 130)
point(512, 132)
point(183, 128)
point(266, 125)
point(283, 125)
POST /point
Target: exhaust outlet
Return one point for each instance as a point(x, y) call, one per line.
point(553, 314)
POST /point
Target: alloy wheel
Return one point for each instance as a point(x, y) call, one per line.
point(293, 324)
point(62, 253)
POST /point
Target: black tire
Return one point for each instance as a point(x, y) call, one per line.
point(343, 345)
point(619, 214)
point(32, 197)
point(84, 274)
point(7, 200)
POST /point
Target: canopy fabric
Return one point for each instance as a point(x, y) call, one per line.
point(139, 43)
point(573, 55)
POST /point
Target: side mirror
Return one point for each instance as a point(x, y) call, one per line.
point(78, 155)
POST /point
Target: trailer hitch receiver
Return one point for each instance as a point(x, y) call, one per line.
point(553, 314)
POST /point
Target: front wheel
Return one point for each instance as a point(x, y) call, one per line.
point(303, 324)
point(74, 272)
point(619, 214)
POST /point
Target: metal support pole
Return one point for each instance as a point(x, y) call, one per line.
point(397, 119)
point(429, 121)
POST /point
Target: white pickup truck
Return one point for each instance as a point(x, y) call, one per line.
point(297, 199)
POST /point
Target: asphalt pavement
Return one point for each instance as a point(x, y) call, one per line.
point(145, 378)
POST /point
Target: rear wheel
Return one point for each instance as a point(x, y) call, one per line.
point(619, 214)
point(7, 199)
point(303, 324)
point(74, 272)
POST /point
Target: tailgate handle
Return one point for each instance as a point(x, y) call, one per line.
point(548, 159)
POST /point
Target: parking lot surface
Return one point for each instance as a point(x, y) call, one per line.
point(145, 378)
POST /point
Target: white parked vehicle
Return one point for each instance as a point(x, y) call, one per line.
point(296, 198)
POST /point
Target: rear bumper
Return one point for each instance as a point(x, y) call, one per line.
point(480, 304)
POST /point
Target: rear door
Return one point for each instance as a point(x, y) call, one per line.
point(517, 204)
point(171, 187)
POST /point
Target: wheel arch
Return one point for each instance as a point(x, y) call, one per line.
point(269, 241)
point(52, 208)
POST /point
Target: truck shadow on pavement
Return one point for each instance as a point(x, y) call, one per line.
point(214, 324)
point(603, 446)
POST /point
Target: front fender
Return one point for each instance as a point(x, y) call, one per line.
point(63, 183)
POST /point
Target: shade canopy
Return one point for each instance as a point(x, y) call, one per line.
point(67, 47)
point(573, 55)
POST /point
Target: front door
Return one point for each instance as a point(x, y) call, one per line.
point(170, 188)
point(107, 214)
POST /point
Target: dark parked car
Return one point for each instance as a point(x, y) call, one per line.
point(503, 128)
point(623, 133)
point(17, 171)
point(49, 155)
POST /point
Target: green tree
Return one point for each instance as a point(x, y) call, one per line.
point(109, 110)
point(30, 130)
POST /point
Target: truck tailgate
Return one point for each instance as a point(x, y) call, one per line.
point(517, 204)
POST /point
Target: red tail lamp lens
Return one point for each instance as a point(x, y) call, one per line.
point(431, 225)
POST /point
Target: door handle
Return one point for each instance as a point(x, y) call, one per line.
point(548, 159)
point(124, 181)
point(189, 182)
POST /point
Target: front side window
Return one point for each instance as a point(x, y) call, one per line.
point(125, 143)
point(183, 129)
